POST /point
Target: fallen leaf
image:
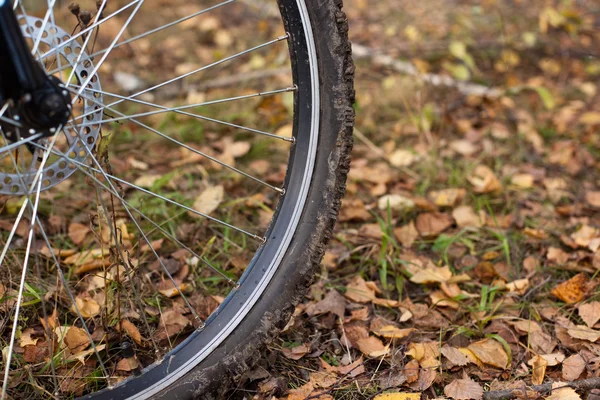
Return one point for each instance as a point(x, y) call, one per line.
point(393, 332)
point(439, 299)
point(171, 323)
point(490, 352)
point(484, 180)
point(466, 217)
point(146, 180)
point(167, 289)
point(463, 147)
point(432, 224)
point(524, 181)
point(411, 371)
point(402, 158)
point(560, 391)
point(430, 274)
point(519, 286)
point(573, 367)
point(87, 307)
point(372, 347)
point(426, 353)
point(584, 235)
point(127, 364)
point(542, 342)
point(296, 353)
point(464, 389)
point(208, 200)
point(571, 291)
point(333, 302)
point(551, 359)
point(407, 234)
point(557, 255)
point(36, 353)
point(76, 339)
point(132, 331)
point(446, 197)
point(526, 327)
point(78, 232)
point(593, 198)
point(455, 356)
point(538, 365)
point(81, 356)
point(590, 312)
point(26, 338)
point(395, 202)
point(358, 291)
point(583, 332)
point(354, 210)
point(323, 379)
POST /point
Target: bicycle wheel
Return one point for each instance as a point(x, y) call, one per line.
point(155, 242)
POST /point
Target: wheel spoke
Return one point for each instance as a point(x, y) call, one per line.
point(114, 42)
point(163, 27)
point(200, 153)
point(85, 31)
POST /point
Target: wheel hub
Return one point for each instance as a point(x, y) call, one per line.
point(79, 136)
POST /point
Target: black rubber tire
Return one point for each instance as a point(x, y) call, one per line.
point(213, 377)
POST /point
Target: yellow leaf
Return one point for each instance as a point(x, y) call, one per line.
point(539, 365)
point(208, 201)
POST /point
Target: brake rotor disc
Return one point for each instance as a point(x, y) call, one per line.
point(80, 133)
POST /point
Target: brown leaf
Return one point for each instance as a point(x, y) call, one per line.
point(484, 180)
point(398, 396)
point(426, 353)
point(571, 291)
point(542, 342)
point(432, 224)
point(429, 274)
point(573, 367)
point(561, 392)
point(455, 356)
point(127, 364)
point(464, 389)
point(551, 359)
point(426, 378)
point(358, 291)
point(411, 371)
point(584, 235)
point(466, 217)
point(557, 255)
point(407, 234)
point(208, 201)
point(584, 333)
point(593, 199)
point(353, 369)
point(354, 210)
point(87, 307)
point(171, 323)
point(490, 352)
point(372, 347)
point(393, 332)
point(333, 302)
point(81, 356)
point(525, 327)
point(396, 202)
point(447, 197)
point(76, 339)
point(132, 331)
point(589, 312)
point(538, 365)
point(77, 232)
point(36, 353)
point(296, 353)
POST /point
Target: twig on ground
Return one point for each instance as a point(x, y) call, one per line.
point(583, 385)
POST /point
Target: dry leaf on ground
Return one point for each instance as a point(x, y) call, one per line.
point(573, 367)
point(77, 232)
point(429, 274)
point(490, 352)
point(455, 356)
point(296, 353)
point(432, 224)
point(426, 353)
point(358, 291)
point(590, 313)
point(484, 180)
point(561, 392)
point(171, 323)
point(372, 347)
point(465, 216)
point(333, 302)
point(538, 367)
point(208, 201)
point(76, 339)
point(571, 291)
point(584, 332)
point(87, 307)
point(447, 197)
point(132, 331)
point(407, 234)
point(464, 389)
